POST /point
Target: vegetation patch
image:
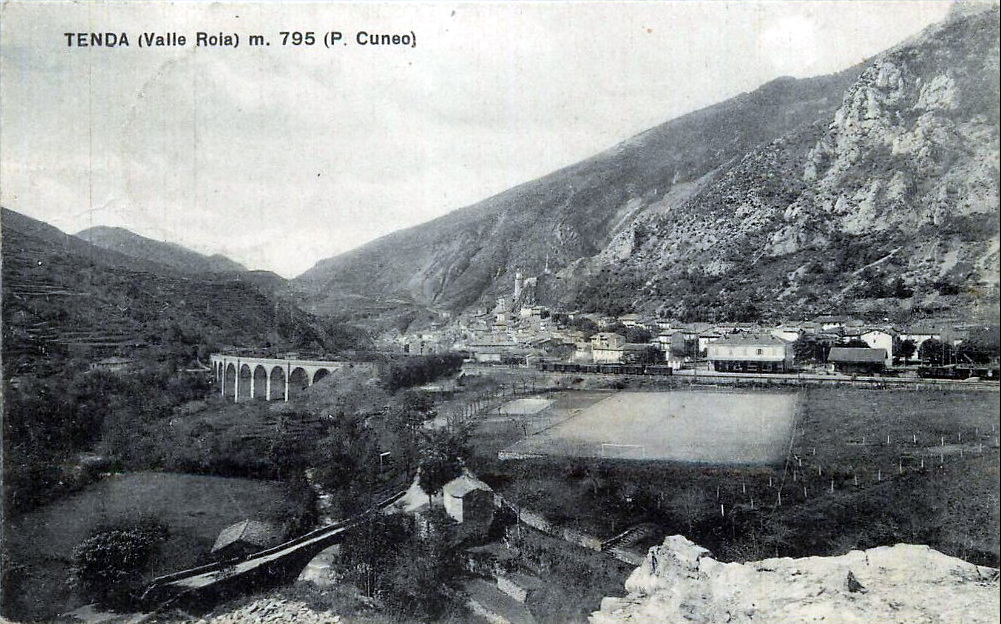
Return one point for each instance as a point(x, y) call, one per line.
point(192, 508)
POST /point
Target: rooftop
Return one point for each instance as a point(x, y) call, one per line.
point(464, 484)
point(856, 355)
point(249, 531)
point(751, 340)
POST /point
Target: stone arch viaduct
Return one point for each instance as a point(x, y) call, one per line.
point(272, 379)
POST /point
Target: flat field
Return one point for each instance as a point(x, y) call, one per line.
point(865, 467)
point(688, 426)
point(531, 405)
point(195, 509)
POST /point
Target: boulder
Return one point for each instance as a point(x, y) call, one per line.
point(680, 581)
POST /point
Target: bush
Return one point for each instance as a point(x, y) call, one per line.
point(410, 567)
point(417, 370)
point(109, 566)
point(419, 584)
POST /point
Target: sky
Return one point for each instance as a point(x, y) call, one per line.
point(279, 156)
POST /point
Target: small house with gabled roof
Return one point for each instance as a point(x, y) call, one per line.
point(857, 360)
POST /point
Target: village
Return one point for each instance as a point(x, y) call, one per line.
point(516, 331)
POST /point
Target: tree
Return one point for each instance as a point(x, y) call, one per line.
point(441, 460)
point(418, 402)
point(419, 583)
point(411, 570)
point(805, 348)
point(649, 355)
point(413, 371)
point(983, 345)
point(371, 549)
point(690, 506)
point(935, 352)
point(109, 566)
point(906, 349)
point(811, 348)
point(857, 343)
point(406, 421)
point(347, 464)
point(638, 335)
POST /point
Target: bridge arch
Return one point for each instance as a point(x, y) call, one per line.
point(229, 379)
point(260, 386)
point(298, 381)
point(320, 374)
point(245, 390)
point(277, 379)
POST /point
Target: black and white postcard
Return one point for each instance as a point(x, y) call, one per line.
point(500, 312)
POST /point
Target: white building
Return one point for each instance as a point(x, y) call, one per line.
point(879, 339)
point(750, 353)
point(607, 347)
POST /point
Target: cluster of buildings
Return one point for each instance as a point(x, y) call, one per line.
point(532, 333)
point(518, 331)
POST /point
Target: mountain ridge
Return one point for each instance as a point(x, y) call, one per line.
point(64, 297)
point(163, 252)
point(772, 202)
point(569, 213)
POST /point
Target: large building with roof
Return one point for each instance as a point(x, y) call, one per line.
point(750, 353)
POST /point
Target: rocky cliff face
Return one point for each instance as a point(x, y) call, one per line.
point(893, 196)
point(915, 142)
point(681, 582)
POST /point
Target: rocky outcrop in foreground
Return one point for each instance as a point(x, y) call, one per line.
point(274, 611)
point(680, 582)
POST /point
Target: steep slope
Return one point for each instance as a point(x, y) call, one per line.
point(63, 296)
point(892, 207)
point(24, 235)
point(169, 254)
point(470, 255)
point(873, 191)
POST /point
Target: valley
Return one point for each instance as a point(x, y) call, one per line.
point(762, 330)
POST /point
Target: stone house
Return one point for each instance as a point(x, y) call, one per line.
point(470, 502)
point(607, 347)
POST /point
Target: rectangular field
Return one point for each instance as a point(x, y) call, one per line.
point(531, 405)
point(689, 426)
